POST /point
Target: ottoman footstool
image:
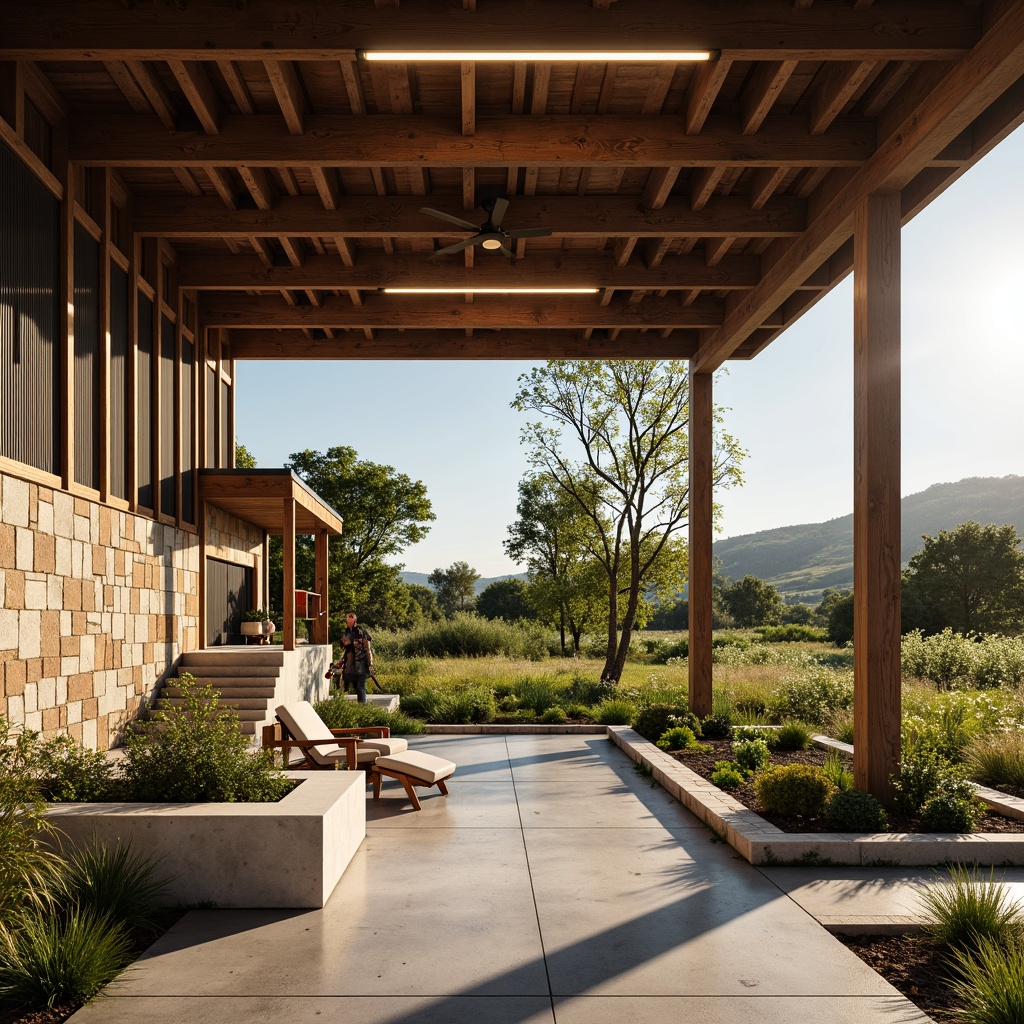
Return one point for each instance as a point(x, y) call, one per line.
point(412, 768)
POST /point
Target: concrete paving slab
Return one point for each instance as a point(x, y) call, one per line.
point(483, 758)
point(554, 757)
point(641, 912)
point(470, 804)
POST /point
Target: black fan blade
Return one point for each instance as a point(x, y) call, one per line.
point(441, 215)
point(529, 233)
point(506, 252)
point(457, 247)
point(498, 213)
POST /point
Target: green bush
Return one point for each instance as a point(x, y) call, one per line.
point(538, 694)
point(469, 635)
point(338, 713)
point(554, 716)
point(68, 773)
point(850, 810)
point(655, 720)
point(48, 960)
point(997, 759)
point(420, 704)
point(791, 633)
point(583, 690)
point(968, 908)
point(923, 772)
point(946, 813)
point(716, 727)
point(469, 706)
point(751, 755)
point(194, 752)
point(990, 982)
point(727, 775)
point(815, 696)
point(679, 737)
point(581, 712)
point(614, 712)
point(794, 735)
point(800, 789)
point(841, 727)
point(753, 732)
point(838, 774)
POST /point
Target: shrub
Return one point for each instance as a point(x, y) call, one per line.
point(945, 658)
point(469, 635)
point(841, 727)
point(748, 732)
point(727, 775)
point(923, 771)
point(553, 716)
point(589, 691)
point(614, 712)
point(751, 755)
point(117, 883)
point(716, 727)
point(656, 719)
point(791, 633)
point(946, 813)
point(990, 982)
point(48, 960)
point(338, 713)
point(800, 789)
point(68, 773)
point(816, 696)
point(838, 774)
point(997, 759)
point(468, 706)
point(793, 735)
point(194, 752)
point(968, 908)
point(420, 704)
point(679, 737)
point(850, 810)
point(578, 711)
point(538, 694)
point(675, 650)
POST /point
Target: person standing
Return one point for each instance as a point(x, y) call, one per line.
point(356, 657)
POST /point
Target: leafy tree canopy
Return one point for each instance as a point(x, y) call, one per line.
point(505, 599)
point(455, 587)
point(752, 602)
point(244, 459)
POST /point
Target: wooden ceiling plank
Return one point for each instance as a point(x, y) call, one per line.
point(468, 188)
point(767, 81)
point(290, 182)
point(345, 251)
point(838, 87)
point(236, 86)
point(287, 86)
point(657, 91)
point(294, 249)
point(763, 184)
point(716, 248)
point(159, 99)
point(519, 87)
point(187, 181)
point(126, 82)
point(623, 249)
point(353, 86)
point(467, 78)
point(604, 99)
point(704, 87)
point(262, 250)
point(890, 80)
point(654, 251)
point(195, 83)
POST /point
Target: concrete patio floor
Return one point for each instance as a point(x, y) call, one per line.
point(553, 885)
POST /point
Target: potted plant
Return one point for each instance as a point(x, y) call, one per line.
point(269, 628)
point(252, 622)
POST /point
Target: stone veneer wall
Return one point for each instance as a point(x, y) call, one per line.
point(233, 540)
point(96, 605)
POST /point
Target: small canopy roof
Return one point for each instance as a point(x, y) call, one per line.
point(256, 495)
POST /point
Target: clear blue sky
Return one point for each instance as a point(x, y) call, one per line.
point(450, 425)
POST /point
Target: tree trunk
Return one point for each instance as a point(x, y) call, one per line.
point(561, 628)
point(608, 673)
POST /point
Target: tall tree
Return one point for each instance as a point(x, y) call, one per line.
point(629, 420)
point(970, 578)
point(752, 602)
point(505, 599)
point(455, 587)
point(384, 511)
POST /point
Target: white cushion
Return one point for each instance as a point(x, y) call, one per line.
point(302, 721)
point(392, 745)
point(418, 765)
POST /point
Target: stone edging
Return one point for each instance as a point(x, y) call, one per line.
point(515, 730)
point(760, 842)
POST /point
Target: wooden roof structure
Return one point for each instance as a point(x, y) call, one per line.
point(710, 204)
point(257, 496)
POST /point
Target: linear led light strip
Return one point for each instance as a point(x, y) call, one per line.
point(489, 291)
point(544, 56)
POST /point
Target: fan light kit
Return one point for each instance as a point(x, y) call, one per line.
point(545, 56)
point(490, 291)
point(489, 235)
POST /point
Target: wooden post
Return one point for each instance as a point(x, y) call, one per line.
point(288, 591)
point(876, 495)
point(699, 590)
point(320, 629)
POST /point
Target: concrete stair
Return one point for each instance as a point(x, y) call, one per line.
point(245, 677)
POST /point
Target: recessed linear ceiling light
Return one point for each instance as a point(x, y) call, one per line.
point(544, 56)
point(490, 291)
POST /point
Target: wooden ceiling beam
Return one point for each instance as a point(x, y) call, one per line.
point(257, 181)
point(194, 82)
point(467, 79)
point(455, 344)
point(236, 86)
point(224, 186)
point(747, 30)
point(375, 271)
point(838, 87)
point(446, 311)
point(287, 86)
point(397, 216)
point(541, 141)
point(767, 81)
point(702, 91)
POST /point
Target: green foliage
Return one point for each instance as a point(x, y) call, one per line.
point(716, 727)
point(850, 810)
point(48, 960)
point(970, 579)
point(467, 635)
point(841, 727)
point(655, 720)
point(505, 599)
point(728, 775)
point(953, 661)
point(815, 696)
point(554, 716)
point(838, 774)
point(990, 982)
point(925, 774)
point(118, 883)
point(794, 735)
point(338, 713)
point(968, 908)
point(752, 602)
point(463, 705)
point(68, 773)
point(791, 633)
point(614, 712)
point(580, 712)
point(244, 459)
point(997, 759)
point(679, 737)
point(455, 587)
point(538, 695)
point(947, 813)
point(194, 752)
point(751, 755)
point(837, 610)
point(800, 789)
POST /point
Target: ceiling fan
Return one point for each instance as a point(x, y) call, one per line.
point(490, 235)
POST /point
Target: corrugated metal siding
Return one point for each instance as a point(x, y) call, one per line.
point(119, 412)
point(144, 402)
point(188, 377)
point(167, 502)
point(87, 358)
point(30, 408)
point(226, 441)
point(228, 594)
point(211, 418)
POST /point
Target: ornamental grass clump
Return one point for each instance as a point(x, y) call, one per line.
point(794, 735)
point(797, 789)
point(990, 982)
point(614, 712)
point(838, 774)
point(997, 759)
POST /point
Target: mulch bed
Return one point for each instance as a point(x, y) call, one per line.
point(721, 750)
point(914, 966)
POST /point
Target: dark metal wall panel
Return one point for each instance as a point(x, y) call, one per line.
point(188, 389)
point(211, 418)
point(167, 491)
point(119, 412)
point(30, 406)
point(229, 594)
point(87, 358)
point(226, 440)
point(144, 403)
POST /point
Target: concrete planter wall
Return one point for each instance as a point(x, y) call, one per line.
point(286, 854)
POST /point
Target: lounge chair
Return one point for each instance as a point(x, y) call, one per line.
point(412, 768)
point(299, 727)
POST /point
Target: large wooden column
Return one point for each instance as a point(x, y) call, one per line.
point(288, 590)
point(876, 497)
point(320, 557)
point(699, 590)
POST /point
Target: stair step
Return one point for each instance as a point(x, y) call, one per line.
point(247, 710)
point(246, 656)
point(227, 671)
point(226, 683)
point(228, 693)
